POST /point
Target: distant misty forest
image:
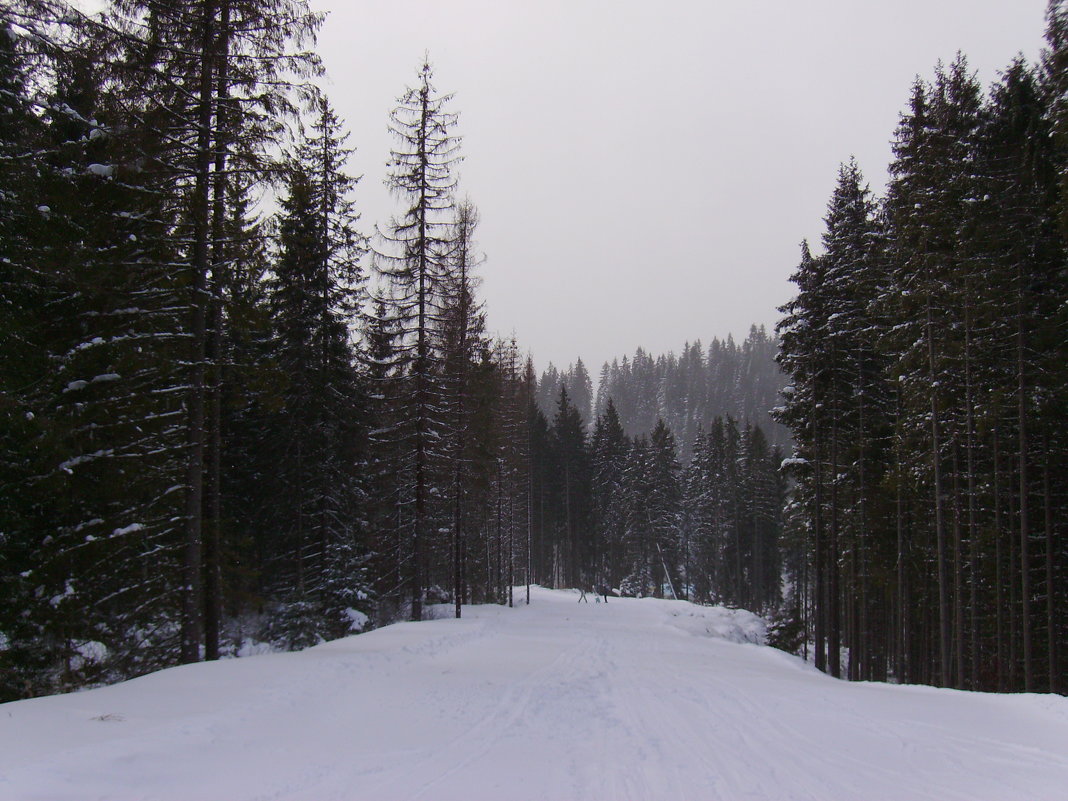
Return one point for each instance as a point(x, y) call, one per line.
point(688, 391)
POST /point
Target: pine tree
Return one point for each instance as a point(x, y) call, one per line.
point(549, 390)
point(571, 468)
point(112, 448)
point(855, 397)
point(1019, 246)
point(665, 500)
point(25, 289)
point(207, 84)
point(691, 390)
point(313, 299)
point(463, 332)
point(608, 452)
point(801, 335)
point(762, 501)
point(385, 457)
point(926, 366)
point(580, 389)
point(698, 552)
point(541, 490)
point(427, 150)
point(638, 579)
point(1055, 87)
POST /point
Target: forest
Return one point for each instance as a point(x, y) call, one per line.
point(224, 425)
point(688, 391)
point(927, 355)
point(234, 414)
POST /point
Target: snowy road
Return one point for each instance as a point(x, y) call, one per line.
point(625, 701)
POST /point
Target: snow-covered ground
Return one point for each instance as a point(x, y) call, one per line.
point(636, 699)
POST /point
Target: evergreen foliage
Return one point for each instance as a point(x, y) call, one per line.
point(687, 391)
point(212, 430)
point(413, 260)
point(925, 350)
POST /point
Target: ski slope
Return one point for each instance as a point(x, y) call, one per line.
point(630, 700)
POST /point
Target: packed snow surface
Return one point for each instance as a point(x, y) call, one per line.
point(634, 699)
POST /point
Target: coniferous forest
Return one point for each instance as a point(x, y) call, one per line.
point(234, 414)
point(688, 391)
point(927, 354)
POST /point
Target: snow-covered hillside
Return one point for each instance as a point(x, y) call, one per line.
point(634, 699)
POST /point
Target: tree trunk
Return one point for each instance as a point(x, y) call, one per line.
point(903, 627)
point(940, 528)
point(973, 528)
point(422, 370)
point(958, 575)
point(819, 566)
point(1051, 619)
point(511, 544)
point(530, 516)
point(457, 523)
point(999, 576)
point(201, 201)
point(212, 555)
point(834, 645)
point(1025, 529)
point(500, 539)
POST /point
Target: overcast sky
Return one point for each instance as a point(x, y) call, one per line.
point(645, 171)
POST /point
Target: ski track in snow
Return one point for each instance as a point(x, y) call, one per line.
point(633, 700)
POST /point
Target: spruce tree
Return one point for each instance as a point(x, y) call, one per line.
point(665, 499)
point(313, 299)
point(463, 332)
point(608, 453)
point(803, 410)
point(572, 475)
point(413, 260)
point(638, 578)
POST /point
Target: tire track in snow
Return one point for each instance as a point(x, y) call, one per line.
point(481, 738)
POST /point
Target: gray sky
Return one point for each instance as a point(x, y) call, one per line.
point(646, 170)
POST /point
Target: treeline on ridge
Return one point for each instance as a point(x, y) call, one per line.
point(687, 391)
